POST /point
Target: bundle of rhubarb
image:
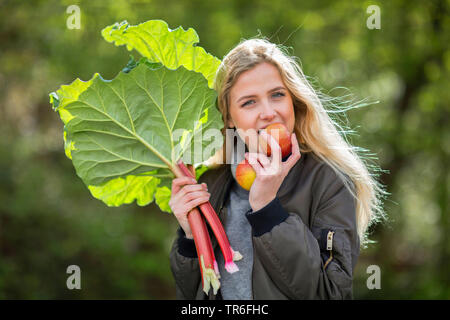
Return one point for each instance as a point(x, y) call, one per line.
point(205, 253)
point(129, 137)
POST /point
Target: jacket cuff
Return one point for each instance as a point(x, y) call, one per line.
point(186, 247)
point(264, 219)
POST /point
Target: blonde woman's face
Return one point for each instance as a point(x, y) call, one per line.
point(259, 98)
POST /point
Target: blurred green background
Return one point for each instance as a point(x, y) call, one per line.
point(49, 220)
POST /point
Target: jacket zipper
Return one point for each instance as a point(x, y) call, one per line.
point(329, 248)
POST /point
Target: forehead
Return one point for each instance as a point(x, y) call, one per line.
point(257, 80)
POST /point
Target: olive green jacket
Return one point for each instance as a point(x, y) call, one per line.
point(305, 242)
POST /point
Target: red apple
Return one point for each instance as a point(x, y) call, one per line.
point(281, 135)
point(245, 174)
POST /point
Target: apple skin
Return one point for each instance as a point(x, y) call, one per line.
point(284, 139)
point(245, 174)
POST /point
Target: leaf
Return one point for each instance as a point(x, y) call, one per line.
point(60, 99)
point(125, 190)
point(124, 161)
point(130, 65)
point(122, 131)
point(158, 43)
point(162, 199)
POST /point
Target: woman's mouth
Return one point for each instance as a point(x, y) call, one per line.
point(263, 127)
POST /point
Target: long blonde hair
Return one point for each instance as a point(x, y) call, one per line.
point(315, 127)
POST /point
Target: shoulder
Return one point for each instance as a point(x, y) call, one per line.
point(327, 190)
point(314, 174)
point(333, 201)
point(324, 177)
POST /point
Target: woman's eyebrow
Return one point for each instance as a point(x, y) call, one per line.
point(251, 96)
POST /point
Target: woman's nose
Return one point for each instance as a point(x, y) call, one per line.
point(267, 112)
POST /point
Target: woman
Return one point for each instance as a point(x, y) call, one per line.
point(301, 224)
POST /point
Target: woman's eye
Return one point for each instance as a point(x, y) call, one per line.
point(275, 95)
point(278, 94)
point(246, 103)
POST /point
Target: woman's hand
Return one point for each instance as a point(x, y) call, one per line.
point(186, 195)
point(270, 172)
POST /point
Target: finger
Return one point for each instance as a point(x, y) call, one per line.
point(253, 161)
point(194, 195)
point(295, 154)
point(274, 146)
point(195, 202)
point(179, 182)
point(275, 158)
point(180, 200)
point(263, 159)
point(191, 188)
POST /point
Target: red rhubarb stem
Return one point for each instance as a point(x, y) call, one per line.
point(213, 219)
point(207, 261)
point(205, 253)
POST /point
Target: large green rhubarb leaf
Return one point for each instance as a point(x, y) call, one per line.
point(158, 43)
point(120, 133)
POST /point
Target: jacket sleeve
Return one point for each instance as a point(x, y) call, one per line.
point(184, 266)
point(296, 257)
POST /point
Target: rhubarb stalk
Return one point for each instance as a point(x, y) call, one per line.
point(213, 219)
point(206, 259)
point(205, 253)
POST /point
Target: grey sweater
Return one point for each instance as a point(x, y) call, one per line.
point(238, 285)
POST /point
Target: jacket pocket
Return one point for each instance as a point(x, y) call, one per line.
point(327, 244)
point(336, 255)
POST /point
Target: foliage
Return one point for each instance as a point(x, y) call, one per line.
point(121, 134)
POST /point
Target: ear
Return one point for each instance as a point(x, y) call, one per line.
point(230, 124)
